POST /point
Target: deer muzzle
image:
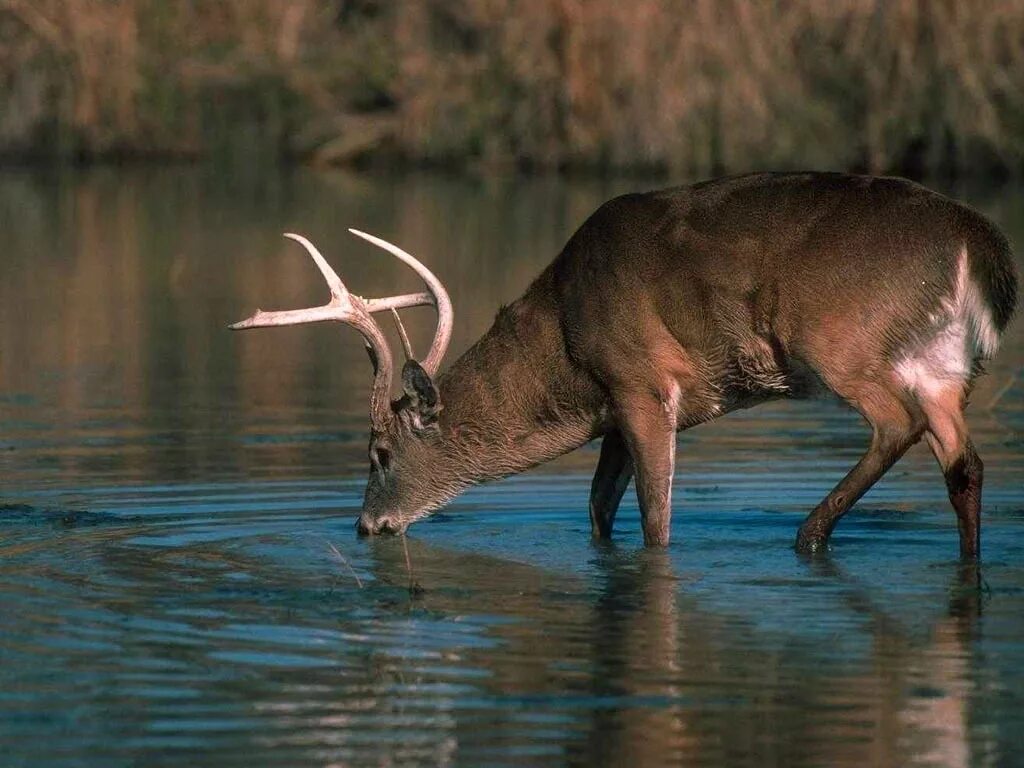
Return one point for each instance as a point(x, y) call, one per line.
point(367, 525)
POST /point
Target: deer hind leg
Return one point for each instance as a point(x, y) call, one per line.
point(614, 471)
point(896, 425)
point(648, 425)
point(950, 442)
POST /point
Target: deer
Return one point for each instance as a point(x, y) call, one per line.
point(671, 308)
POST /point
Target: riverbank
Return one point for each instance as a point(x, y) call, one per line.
point(539, 85)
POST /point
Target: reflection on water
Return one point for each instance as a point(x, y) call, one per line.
point(170, 493)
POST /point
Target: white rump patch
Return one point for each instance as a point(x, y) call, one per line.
point(961, 332)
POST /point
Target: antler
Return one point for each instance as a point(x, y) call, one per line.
point(347, 308)
point(438, 296)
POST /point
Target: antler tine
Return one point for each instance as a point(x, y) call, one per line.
point(341, 299)
point(441, 301)
point(406, 346)
point(338, 290)
point(343, 308)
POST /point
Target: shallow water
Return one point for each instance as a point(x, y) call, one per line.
point(180, 581)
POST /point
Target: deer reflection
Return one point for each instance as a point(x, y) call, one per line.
point(945, 665)
point(647, 674)
point(921, 688)
point(642, 640)
point(621, 662)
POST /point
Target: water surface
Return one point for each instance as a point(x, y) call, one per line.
point(180, 581)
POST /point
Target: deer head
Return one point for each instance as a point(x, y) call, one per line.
point(404, 433)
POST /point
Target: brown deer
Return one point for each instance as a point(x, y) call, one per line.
point(672, 308)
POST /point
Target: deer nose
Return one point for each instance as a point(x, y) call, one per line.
point(370, 526)
point(366, 525)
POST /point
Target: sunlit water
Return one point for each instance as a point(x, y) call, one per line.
point(180, 581)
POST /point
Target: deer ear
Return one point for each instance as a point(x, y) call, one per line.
point(424, 401)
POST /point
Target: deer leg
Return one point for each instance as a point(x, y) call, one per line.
point(894, 429)
point(948, 438)
point(649, 428)
point(614, 471)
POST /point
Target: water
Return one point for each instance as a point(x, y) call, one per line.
point(180, 582)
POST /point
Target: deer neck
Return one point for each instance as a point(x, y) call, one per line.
point(515, 400)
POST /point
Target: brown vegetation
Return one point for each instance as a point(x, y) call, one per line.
point(694, 88)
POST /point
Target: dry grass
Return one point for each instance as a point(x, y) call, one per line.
point(693, 88)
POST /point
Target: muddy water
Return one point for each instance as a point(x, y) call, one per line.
point(180, 582)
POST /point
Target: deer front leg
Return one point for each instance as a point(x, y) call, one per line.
point(614, 471)
point(648, 424)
